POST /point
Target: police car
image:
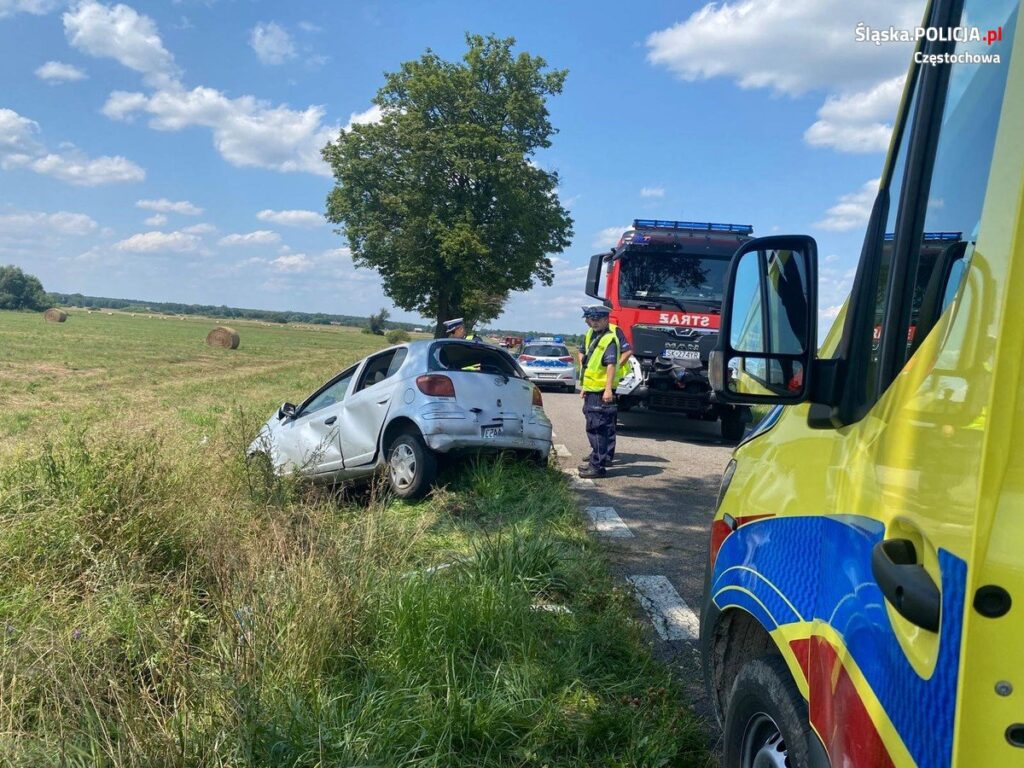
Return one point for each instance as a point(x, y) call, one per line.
point(547, 361)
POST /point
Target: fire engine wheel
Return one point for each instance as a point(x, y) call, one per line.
point(766, 722)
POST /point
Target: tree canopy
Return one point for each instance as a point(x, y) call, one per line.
point(19, 290)
point(442, 196)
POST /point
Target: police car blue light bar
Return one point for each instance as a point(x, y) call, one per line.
point(933, 236)
point(697, 226)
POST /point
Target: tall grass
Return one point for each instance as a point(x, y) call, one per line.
point(165, 603)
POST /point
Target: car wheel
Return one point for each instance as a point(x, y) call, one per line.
point(412, 466)
point(733, 425)
point(766, 721)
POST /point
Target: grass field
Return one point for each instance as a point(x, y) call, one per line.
point(162, 603)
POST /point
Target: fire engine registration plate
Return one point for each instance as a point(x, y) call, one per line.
point(491, 432)
point(682, 354)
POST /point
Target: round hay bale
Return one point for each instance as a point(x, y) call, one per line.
point(54, 315)
point(223, 337)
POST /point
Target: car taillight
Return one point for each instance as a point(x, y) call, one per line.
point(537, 399)
point(526, 358)
point(565, 359)
point(435, 385)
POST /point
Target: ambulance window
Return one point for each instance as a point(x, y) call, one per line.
point(881, 285)
point(963, 157)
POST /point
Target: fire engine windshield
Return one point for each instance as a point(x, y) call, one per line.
point(673, 278)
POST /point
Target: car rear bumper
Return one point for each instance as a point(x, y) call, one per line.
point(560, 379)
point(449, 428)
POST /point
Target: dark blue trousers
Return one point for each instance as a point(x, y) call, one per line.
point(600, 418)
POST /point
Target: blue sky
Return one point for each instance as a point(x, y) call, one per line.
point(169, 151)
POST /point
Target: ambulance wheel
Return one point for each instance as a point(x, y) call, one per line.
point(766, 721)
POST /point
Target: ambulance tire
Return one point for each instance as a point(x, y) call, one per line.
point(766, 722)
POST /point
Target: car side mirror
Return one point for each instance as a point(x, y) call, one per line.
point(768, 339)
point(286, 411)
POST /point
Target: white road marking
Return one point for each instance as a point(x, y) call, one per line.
point(672, 617)
point(561, 450)
point(577, 481)
point(608, 523)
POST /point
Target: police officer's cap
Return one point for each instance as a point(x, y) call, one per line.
point(451, 325)
point(596, 310)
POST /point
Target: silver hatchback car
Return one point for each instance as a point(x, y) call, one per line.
point(400, 407)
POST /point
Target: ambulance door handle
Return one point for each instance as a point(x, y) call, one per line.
point(906, 584)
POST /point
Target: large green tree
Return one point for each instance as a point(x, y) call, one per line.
point(20, 291)
point(441, 196)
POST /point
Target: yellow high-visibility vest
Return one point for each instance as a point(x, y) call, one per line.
point(593, 374)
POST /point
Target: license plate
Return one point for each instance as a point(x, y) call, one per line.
point(682, 354)
point(492, 432)
point(547, 375)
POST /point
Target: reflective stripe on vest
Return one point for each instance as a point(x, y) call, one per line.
point(594, 376)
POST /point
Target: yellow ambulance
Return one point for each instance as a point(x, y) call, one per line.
point(864, 598)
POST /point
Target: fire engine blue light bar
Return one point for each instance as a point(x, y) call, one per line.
point(699, 226)
point(933, 236)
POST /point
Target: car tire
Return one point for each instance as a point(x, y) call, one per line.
point(766, 719)
point(411, 466)
point(571, 389)
point(733, 425)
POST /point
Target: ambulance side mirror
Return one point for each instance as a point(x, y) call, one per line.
point(768, 339)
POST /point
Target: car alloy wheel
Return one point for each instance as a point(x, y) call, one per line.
point(763, 746)
point(402, 466)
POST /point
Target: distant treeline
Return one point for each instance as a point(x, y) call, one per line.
point(210, 310)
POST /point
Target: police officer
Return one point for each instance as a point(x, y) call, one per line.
point(456, 329)
point(600, 371)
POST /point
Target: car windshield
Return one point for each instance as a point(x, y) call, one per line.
point(471, 357)
point(669, 277)
point(546, 350)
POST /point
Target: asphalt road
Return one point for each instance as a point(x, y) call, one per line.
point(663, 485)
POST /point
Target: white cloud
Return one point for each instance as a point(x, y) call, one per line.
point(797, 46)
point(308, 26)
point(156, 242)
point(120, 33)
point(247, 132)
point(371, 115)
point(199, 229)
point(273, 45)
point(20, 149)
point(293, 218)
point(858, 122)
point(295, 262)
point(36, 223)
point(792, 46)
point(259, 237)
point(75, 168)
point(156, 221)
point(163, 205)
point(608, 237)
point(652, 192)
point(35, 7)
point(17, 134)
point(55, 72)
point(853, 210)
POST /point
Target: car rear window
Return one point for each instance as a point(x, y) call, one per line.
point(463, 357)
point(546, 350)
